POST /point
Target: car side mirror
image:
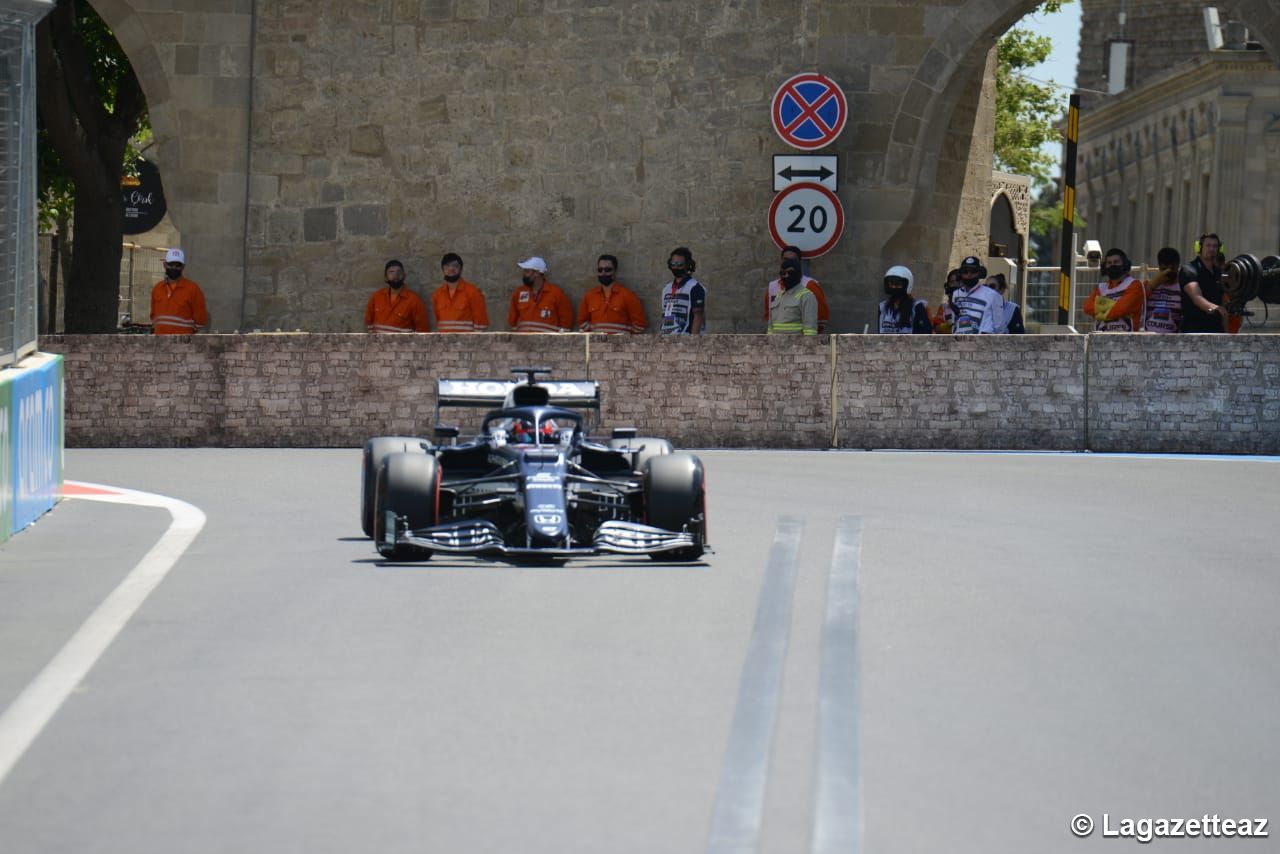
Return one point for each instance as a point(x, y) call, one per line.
point(446, 431)
point(624, 432)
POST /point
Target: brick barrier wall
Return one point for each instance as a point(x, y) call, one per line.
point(1184, 394)
point(1143, 393)
point(992, 392)
point(720, 390)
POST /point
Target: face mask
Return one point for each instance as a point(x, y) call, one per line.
point(967, 282)
point(605, 279)
point(895, 289)
point(1115, 271)
point(173, 273)
point(394, 284)
point(528, 280)
point(453, 278)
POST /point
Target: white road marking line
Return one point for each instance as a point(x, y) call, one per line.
point(739, 808)
point(28, 715)
point(837, 821)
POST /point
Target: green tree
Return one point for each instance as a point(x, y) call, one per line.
point(1028, 116)
point(91, 106)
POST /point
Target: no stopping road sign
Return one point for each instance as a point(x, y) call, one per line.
point(807, 216)
point(809, 111)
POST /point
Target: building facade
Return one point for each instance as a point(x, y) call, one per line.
point(1194, 148)
point(1191, 143)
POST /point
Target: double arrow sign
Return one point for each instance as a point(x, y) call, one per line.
point(791, 169)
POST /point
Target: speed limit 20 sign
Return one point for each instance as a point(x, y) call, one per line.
point(807, 216)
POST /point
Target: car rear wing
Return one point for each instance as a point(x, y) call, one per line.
point(491, 394)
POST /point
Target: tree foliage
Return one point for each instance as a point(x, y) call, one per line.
point(1028, 116)
point(91, 107)
point(1027, 112)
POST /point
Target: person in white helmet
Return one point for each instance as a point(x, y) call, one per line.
point(900, 313)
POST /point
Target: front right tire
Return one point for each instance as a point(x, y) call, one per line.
point(675, 497)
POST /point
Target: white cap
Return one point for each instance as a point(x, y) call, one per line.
point(901, 272)
point(533, 262)
point(175, 256)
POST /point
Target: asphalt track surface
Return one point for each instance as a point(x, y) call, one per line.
point(888, 652)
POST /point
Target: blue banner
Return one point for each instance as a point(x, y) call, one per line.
point(32, 443)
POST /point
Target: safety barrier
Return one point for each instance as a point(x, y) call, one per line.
point(1140, 393)
point(31, 440)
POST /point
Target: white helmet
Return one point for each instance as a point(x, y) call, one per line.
point(901, 272)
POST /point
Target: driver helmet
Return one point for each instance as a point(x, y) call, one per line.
point(522, 431)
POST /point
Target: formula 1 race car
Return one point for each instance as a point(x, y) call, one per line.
point(531, 485)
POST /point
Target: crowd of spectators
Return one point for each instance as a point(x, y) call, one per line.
point(1178, 298)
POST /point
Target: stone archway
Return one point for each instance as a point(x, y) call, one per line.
point(660, 137)
point(938, 103)
point(1008, 226)
point(195, 69)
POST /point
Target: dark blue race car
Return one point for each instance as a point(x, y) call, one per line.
point(531, 485)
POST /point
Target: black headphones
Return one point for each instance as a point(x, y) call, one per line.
point(1128, 265)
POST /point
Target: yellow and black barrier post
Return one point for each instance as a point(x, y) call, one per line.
point(1068, 211)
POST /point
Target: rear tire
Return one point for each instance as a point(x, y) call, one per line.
point(375, 452)
point(675, 498)
point(408, 484)
point(652, 448)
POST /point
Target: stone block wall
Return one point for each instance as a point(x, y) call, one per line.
point(1202, 394)
point(500, 129)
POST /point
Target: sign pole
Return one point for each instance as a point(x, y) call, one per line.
point(1068, 211)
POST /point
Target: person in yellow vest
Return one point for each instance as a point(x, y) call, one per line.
point(794, 309)
point(1119, 302)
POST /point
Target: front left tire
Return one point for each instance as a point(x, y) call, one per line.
point(408, 485)
point(375, 452)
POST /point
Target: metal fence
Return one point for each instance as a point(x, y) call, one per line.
point(140, 268)
point(19, 284)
